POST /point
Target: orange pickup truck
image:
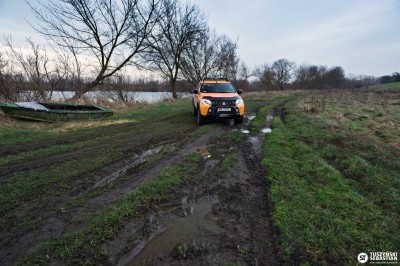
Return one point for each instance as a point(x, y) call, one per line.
point(217, 98)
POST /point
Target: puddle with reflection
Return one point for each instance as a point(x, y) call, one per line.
point(184, 224)
point(246, 123)
point(215, 152)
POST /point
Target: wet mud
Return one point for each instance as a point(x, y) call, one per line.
point(220, 217)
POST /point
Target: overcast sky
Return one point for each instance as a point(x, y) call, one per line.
point(362, 36)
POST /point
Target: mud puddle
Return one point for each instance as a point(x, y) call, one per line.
point(249, 116)
point(180, 229)
point(268, 121)
point(215, 152)
point(219, 218)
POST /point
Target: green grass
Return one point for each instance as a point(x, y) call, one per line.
point(15, 131)
point(227, 162)
point(31, 186)
point(393, 85)
point(86, 246)
point(43, 152)
point(17, 135)
point(258, 122)
point(26, 189)
point(334, 195)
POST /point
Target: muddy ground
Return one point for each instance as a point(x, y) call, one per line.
point(220, 218)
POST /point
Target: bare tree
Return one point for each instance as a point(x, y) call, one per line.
point(178, 25)
point(200, 57)
point(245, 72)
point(112, 32)
point(396, 77)
point(40, 72)
point(266, 75)
point(302, 77)
point(309, 77)
point(4, 89)
point(211, 56)
point(282, 69)
point(334, 78)
point(228, 61)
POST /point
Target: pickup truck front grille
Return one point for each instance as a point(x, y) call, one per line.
point(223, 102)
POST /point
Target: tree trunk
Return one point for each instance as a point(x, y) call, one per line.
point(173, 89)
point(79, 93)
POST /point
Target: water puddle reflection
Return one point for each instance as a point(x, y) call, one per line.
point(215, 152)
point(184, 225)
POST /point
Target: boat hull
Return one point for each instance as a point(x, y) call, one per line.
point(57, 112)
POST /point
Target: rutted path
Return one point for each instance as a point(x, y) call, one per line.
point(222, 216)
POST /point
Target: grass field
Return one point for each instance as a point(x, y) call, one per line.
point(393, 85)
point(334, 166)
point(332, 161)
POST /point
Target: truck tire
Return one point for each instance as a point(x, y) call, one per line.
point(200, 119)
point(239, 120)
point(194, 110)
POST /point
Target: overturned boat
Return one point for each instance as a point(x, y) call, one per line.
point(54, 112)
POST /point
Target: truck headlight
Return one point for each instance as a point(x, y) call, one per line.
point(206, 101)
point(239, 102)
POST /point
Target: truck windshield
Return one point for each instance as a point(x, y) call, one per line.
point(217, 87)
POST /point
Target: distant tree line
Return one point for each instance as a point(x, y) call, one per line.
point(395, 77)
point(95, 43)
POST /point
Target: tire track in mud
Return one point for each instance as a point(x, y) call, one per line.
point(230, 211)
point(235, 203)
point(127, 145)
point(12, 149)
point(222, 217)
point(13, 247)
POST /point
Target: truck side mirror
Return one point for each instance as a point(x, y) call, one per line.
point(195, 91)
point(239, 91)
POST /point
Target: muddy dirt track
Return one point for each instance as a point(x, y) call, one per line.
point(220, 218)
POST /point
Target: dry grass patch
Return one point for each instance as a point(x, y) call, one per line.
point(88, 124)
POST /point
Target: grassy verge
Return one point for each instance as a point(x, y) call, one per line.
point(15, 131)
point(30, 188)
point(39, 153)
point(86, 246)
point(393, 85)
point(258, 123)
point(333, 193)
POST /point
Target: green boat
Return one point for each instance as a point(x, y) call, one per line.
point(54, 112)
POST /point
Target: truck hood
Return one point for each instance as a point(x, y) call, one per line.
point(220, 95)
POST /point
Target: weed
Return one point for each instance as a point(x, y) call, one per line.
point(180, 250)
point(227, 162)
point(243, 250)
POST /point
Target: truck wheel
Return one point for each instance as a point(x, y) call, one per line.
point(194, 110)
point(239, 120)
point(200, 119)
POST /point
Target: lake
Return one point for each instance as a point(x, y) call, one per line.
point(112, 96)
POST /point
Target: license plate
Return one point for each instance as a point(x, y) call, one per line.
point(224, 109)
